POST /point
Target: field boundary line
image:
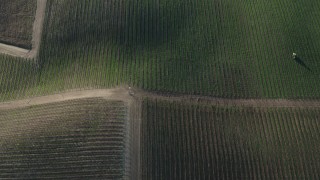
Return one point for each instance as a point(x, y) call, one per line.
point(13, 50)
point(219, 101)
point(117, 94)
point(36, 36)
point(122, 94)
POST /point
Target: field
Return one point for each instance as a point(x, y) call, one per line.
point(217, 48)
point(196, 141)
point(215, 92)
point(16, 19)
point(72, 139)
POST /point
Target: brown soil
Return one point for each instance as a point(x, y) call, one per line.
point(16, 19)
point(112, 94)
point(13, 50)
point(36, 36)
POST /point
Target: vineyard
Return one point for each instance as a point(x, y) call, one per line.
point(216, 48)
point(159, 89)
point(80, 138)
point(194, 141)
point(16, 22)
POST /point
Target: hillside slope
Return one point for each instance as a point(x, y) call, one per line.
point(216, 48)
point(197, 141)
point(71, 139)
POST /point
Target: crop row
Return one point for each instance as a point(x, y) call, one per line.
point(182, 141)
point(16, 19)
point(219, 48)
point(80, 138)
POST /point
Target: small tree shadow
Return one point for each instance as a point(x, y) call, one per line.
point(300, 62)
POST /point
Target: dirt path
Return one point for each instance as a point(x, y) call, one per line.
point(122, 94)
point(13, 50)
point(36, 35)
point(112, 94)
point(37, 28)
point(230, 102)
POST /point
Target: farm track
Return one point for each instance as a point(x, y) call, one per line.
point(36, 36)
point(301, 103)
point(13, 50)
point(122, 94)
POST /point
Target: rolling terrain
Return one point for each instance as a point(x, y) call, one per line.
point(200, 141)
point(215, 92)
point(86, 137)
point(169, 137)
point(214, 48)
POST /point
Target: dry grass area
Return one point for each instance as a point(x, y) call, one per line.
point(16, 22)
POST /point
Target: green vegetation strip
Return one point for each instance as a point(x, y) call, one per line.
point(80, 138)
point(226, 48)
point(190, 141)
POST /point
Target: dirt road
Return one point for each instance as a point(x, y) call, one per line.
point(230, 102)
point(36, 36)
point(37, 28)
point(122, 94)
point(112, 94)
point(13, 50)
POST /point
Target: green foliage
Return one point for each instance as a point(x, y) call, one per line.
point(218, 48)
